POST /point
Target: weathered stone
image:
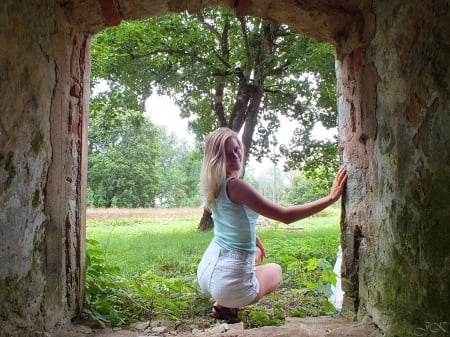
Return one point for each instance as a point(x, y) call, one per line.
point(397, 186)
point(139, 326)
point(159, 329)
point(393, 97)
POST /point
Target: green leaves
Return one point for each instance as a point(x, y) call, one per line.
point(163, 285)
point(220, 69)
point(308, 273)
point(324, 276)
point(122, 168)
point(111, 300)
point(303, 190)
point(101, 286)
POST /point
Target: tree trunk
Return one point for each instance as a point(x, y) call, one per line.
point(206, 222)
point(251, 120)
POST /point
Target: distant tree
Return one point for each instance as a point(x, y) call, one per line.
point(122, 170)
point(301, 190)
point(318, 162)
point(179, 167)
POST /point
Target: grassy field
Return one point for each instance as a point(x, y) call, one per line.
point(163, 246)
point(138, 241)
point(142, 240)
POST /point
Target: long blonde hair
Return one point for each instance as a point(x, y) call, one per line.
point(213, 171)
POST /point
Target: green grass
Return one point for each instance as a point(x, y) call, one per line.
point(147, 268)
point(139, 246)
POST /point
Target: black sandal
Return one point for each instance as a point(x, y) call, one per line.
point(226, 314)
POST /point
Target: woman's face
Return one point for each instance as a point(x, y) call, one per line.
point(233, 156)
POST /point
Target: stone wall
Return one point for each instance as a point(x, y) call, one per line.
point(44, 64)
point(24, 159)
point(394, 120)
point(394, 98)
point(409, 282)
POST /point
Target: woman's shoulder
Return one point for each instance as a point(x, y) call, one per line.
point(239, 187)
point(238, 179)
point(224, 186)
point(235, 181)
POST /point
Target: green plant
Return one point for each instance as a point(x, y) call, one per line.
point(158, 260)
point(258, 316)
point(111, 299)
point(321, 276)
point(102, 285)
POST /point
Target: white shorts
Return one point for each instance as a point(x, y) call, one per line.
point(228, 276)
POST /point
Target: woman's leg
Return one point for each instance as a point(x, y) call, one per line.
point(269, 277)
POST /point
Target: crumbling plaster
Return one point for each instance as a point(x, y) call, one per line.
point(393, 98)
point(394, 117)
point(42, 119)
point(405, 277)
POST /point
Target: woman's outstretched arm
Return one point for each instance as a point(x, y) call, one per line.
point(241, 192)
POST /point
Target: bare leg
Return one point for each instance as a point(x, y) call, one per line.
point(269, 277)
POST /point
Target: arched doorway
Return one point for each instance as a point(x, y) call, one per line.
point(393, 103)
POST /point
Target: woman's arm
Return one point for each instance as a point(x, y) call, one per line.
point(241, 192)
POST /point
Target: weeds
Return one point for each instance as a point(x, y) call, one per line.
point(138, 271)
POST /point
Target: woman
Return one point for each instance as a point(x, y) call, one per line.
point(228, 271)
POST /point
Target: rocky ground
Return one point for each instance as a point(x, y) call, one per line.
point(294, 327)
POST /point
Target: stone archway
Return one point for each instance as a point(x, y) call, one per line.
point(393, 74)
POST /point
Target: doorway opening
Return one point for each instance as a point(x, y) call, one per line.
point(120, 108)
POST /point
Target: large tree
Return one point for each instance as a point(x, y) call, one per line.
point(222, 70)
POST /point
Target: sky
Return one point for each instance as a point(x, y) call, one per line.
point(163, 112)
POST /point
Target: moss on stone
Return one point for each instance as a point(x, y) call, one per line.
point(37, 141)
point(36, 198)
point(7, 161)
point(414, 283)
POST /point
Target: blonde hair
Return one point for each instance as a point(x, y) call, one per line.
point(213, 171)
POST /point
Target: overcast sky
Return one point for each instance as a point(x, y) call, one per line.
point(163, 112)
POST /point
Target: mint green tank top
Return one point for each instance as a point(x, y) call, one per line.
point(234, 224)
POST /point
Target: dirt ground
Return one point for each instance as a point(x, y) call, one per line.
point(143, 213)
point(293, 327)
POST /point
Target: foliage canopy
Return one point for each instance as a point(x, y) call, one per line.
point(122, 168)
point(133, 163)
point(223, 70)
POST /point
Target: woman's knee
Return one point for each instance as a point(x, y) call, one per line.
point(269, 277)
point(277, 273)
